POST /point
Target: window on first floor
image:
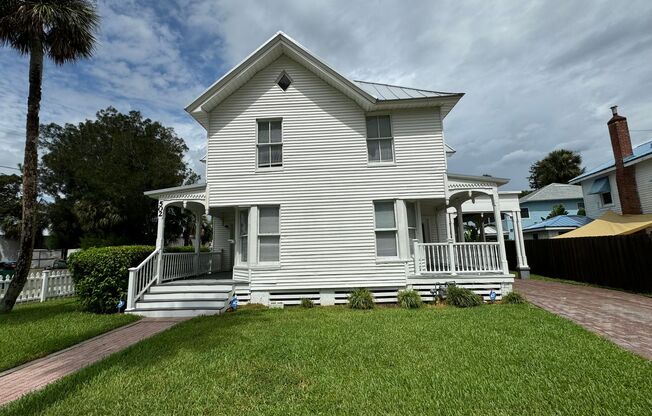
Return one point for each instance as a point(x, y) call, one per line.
point(243, 236)
point(385, 228)
point(380, 143)
point(580, 205)
point(269, 234)
point(411, 208)
point(525, 212)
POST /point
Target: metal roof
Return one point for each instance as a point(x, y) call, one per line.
point(394, 92)
point(638, 152)
point(553, 192)
point(560, 221)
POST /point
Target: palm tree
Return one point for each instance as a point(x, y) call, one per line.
point(560, 166)
point(63, 30)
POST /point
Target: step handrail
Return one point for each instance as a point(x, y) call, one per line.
point(142, 277)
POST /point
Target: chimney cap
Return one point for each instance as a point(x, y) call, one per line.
point(614, 110)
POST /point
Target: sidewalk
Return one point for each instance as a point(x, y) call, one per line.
point(37, 374)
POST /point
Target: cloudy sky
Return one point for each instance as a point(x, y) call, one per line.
point(538, 76)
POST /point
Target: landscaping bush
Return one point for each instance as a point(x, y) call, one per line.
point(307, 303)
point(410, 299)
point(361, 299)
point(184, 249)
point(461, 297)
point(513, 298)
point(101, 275)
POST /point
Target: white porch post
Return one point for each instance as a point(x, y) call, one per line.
point(460, 223)
point(495, 202)
point(197, 242)
point(450, 225)
point(483, 236)
point(523, 268)
point(160, 240)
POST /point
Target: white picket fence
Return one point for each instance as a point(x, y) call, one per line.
point(42, 285)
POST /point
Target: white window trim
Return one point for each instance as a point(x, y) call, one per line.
point(381, 162)
point(269, 120)
point(395, 229)
point(278, 78)
point(602, 203)
point(267, 265)
point(238, 245)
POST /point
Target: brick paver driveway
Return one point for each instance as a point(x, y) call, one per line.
point(623, 318)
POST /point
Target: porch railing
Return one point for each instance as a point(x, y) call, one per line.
point(172, 266)
point(142, 277)
point(455, 258)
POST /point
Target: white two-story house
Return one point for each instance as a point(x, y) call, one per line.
point(317, 185)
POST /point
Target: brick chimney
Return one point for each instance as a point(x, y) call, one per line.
point(625, 179)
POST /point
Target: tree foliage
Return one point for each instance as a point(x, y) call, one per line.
point(62, 30)
point(97, 171)
point(557, 210)
point(560, 166)
point(11, 210)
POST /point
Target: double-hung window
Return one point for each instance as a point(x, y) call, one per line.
point(385, 227)
point(244, 233)
point(411, 223)
point(269, 234)
point(380, 144)
point(525, 212)
point(270, 144)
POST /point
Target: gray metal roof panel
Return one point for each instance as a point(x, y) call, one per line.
point(384, 92)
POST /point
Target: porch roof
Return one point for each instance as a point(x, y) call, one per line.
point(177, 195)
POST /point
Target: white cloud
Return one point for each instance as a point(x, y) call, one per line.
point(536, 76)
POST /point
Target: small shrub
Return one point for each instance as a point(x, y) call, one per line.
point(361, 299)
point(462, 298)
point(513, 298)
point(184, 249)
point(410, 299)
point(307, 303)
point(101, 275)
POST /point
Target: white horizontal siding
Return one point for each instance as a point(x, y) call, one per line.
point(593, 203)
point(644, 185)
point(325, 187)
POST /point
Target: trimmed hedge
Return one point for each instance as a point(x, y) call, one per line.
point(101, 275)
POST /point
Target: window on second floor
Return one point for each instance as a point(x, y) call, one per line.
point(606, 198)
point(270, 144)
point(525, 212)
point(380, 143)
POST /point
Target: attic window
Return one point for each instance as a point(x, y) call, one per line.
point(284, 81)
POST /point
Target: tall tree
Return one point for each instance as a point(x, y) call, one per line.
point(96, 173)
point(62, 30)
point(560, 166)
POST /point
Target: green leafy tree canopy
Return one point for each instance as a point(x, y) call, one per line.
point(560, 166)
point(97, 171)
point(557, 210)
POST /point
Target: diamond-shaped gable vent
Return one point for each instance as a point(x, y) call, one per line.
point(284, 82)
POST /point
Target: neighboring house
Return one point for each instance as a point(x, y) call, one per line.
point(318, 185)
point(554, 226)
point(623, 185)
point(537, 205)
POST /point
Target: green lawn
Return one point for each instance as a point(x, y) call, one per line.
point(499, 359)
point(33, 330)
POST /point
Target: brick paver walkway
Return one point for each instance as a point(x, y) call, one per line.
point(37, 374)
point(621, 317)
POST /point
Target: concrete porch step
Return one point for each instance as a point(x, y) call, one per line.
point(174, 313)
point(176, 296)
point(181, 304)
point(189, 288)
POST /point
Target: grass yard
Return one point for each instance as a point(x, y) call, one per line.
point(499, 359)
point(33, 330)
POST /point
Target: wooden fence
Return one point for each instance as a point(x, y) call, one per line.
point(620, 261)
point(42, 285)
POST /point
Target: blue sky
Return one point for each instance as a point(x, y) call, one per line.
point(537, 76)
